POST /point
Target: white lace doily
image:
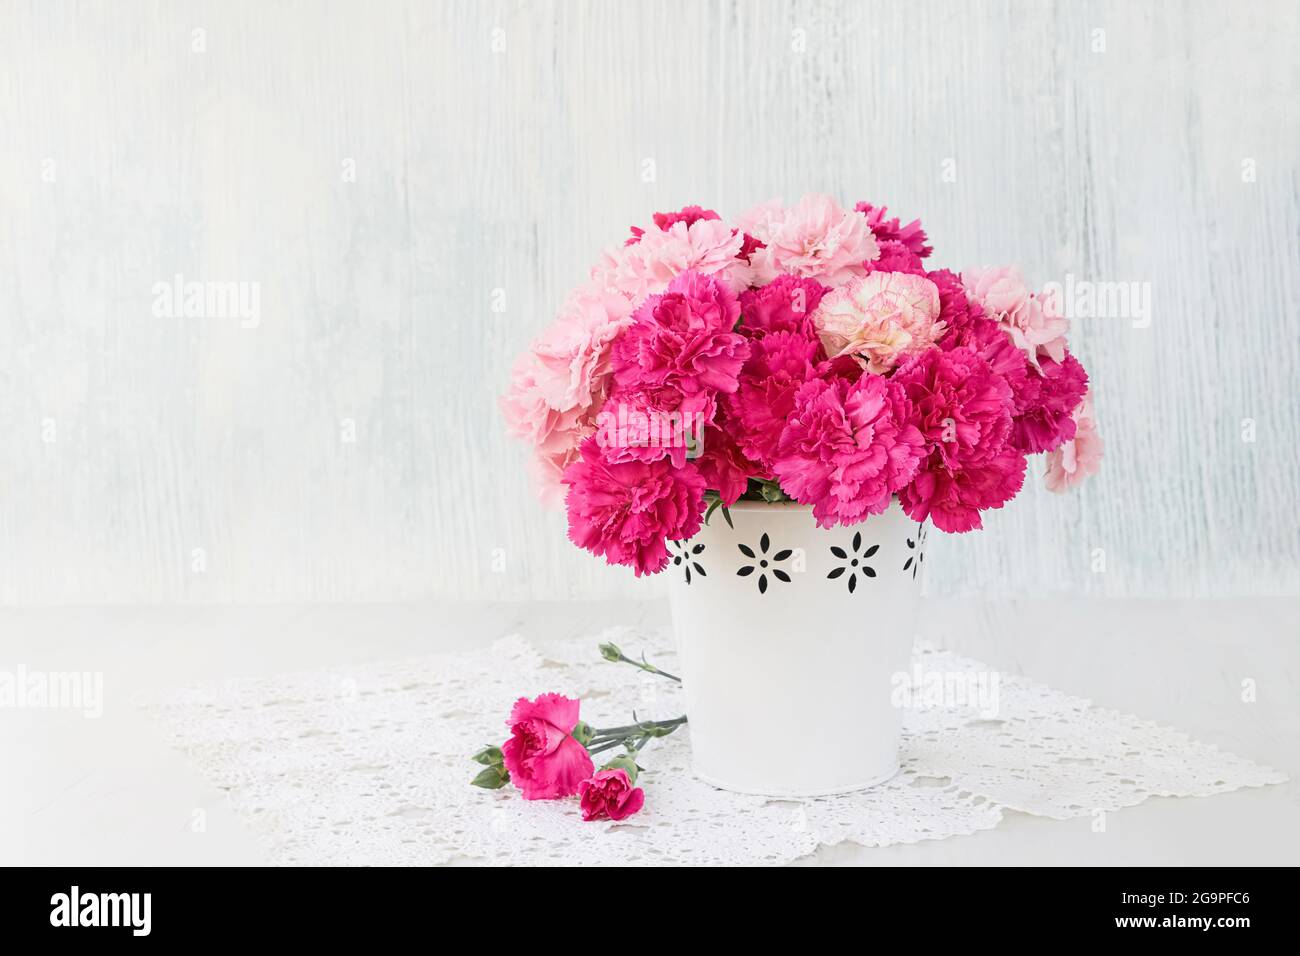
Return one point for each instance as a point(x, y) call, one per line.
point(371, 765)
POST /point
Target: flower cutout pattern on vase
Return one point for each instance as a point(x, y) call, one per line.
point(916, 550)
point(855, 562)
point(764, 563)
point(688, 555)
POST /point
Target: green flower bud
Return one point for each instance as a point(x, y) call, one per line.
point(611, 652)
point(582, 732)
point(624, 763)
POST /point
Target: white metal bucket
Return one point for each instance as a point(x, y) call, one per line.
point(789, 637)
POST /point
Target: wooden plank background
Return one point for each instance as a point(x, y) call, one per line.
point(388, 171)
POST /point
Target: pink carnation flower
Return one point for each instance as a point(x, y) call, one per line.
point(1034, 324)
point(848, 447)
point(723, 466)
point(784, 305)
point(666, 220)
point(677, 355)
point(647, 266)
point(557, 387)
point(880, 319)
point(987, 340)
point(544, 759)
point(1080, 457)
point(779, 364)
point(911, 237)
point(625, 511)
point(687, 214)
point(963, 409)
point(814, 238)
point(895, 257)
point(572, 354)
point(1044, 421)
point(609, 793)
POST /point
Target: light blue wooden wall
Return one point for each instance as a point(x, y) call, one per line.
point(381, 168)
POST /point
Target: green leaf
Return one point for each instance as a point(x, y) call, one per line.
point(727, 514)
point(493, 778)
point(717, 503)
point(489, 756)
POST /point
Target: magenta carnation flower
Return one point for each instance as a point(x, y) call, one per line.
point(676, 356)
point(545, 761)
point(785, 304)
point(912, 237)
point(723, 466)
point(687, 214)
point(779, 364)
point(964, 411)
point(1046, 420)
point(625, 511)
point(1044, 392)
point(895, 257)
point(848, 447)
point(956, 309)
point(987, 340)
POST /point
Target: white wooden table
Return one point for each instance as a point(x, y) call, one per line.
point(110, 791)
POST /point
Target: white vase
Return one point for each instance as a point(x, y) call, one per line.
point(790, 637)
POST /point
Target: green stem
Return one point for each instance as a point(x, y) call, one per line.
point(647, 667)
point(604, 733)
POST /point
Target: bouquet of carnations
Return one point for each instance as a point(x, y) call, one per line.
point(804, 353)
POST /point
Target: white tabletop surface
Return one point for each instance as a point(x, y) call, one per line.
point(111, 791)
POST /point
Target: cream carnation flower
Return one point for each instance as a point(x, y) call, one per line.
point(879, 319)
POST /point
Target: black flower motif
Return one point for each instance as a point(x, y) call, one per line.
point(763, 563)
point(688, 555)
point(916, 550)
point(856, 562)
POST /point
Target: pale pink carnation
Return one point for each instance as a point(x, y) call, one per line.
point(546, 472)
point(647, 266)
point(814, 238)
point(880, 319)
point(558, 386)
point(573, 352)
point(1039, 328)
point(1033, 322)
point(848, 447)
point(1079, 458)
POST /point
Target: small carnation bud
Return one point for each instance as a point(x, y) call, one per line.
point(611, 652)
point(627, 765)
